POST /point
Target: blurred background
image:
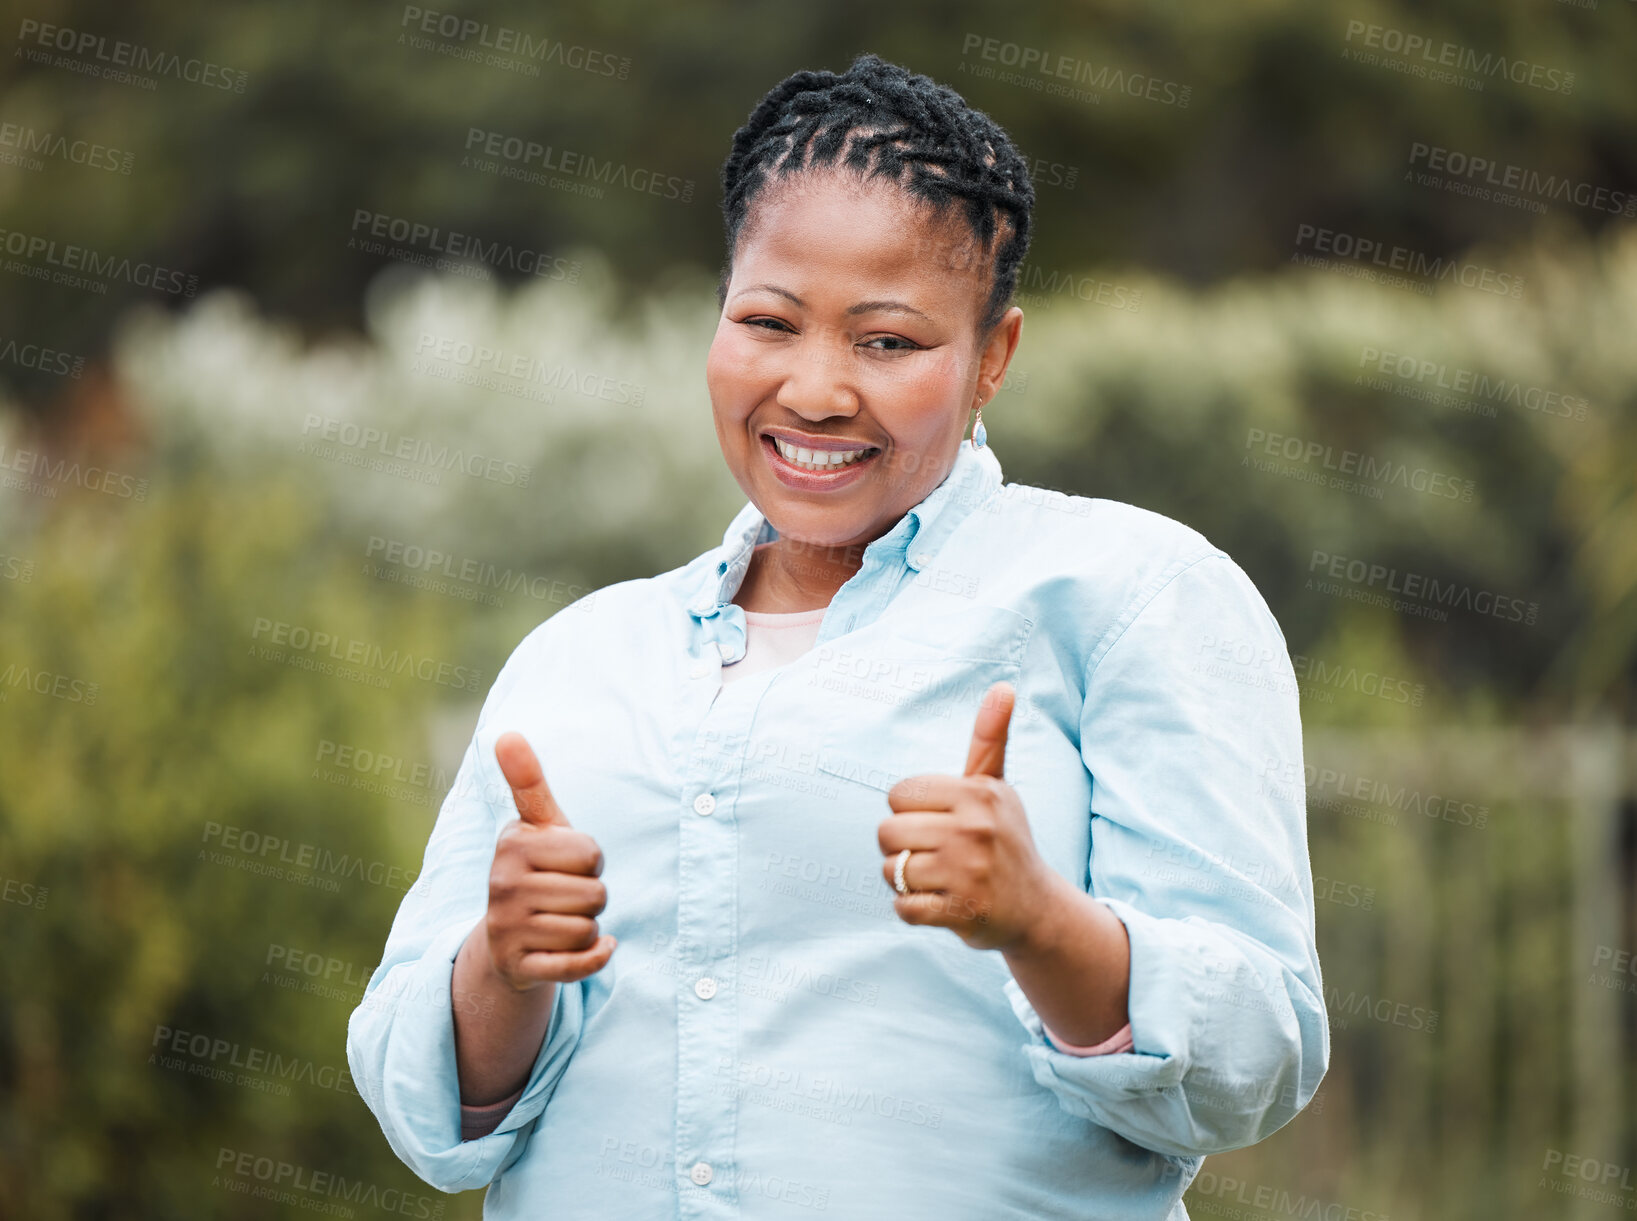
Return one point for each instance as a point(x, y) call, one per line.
point(340, 345)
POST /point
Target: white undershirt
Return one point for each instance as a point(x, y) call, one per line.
point(773, 639)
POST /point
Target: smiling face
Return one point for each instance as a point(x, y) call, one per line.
point(850, 325)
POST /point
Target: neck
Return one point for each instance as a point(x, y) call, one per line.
point(789, 575)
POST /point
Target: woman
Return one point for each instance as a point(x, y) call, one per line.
point(900, 700)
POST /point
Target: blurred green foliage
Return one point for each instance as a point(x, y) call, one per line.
point(340, 112)
point(1171, 352)
point(108, 802)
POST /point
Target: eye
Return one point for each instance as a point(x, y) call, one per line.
point(769, 324)
point(898, 339)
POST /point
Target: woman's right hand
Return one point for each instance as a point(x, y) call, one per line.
point(544, 893)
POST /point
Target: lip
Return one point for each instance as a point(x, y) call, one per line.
point(793, 476)
point(823, 444)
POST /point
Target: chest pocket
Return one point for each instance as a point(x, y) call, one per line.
point(900, 697)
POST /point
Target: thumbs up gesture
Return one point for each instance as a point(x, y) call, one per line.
point(543, 889)
point(974, 868)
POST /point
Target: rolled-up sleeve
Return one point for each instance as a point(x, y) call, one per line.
point(401, 1037)
point(1192, 734)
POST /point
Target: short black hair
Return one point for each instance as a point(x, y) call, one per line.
point(910, 129)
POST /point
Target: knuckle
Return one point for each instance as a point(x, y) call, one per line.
point(976, 827)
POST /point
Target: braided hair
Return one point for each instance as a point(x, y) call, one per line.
point(893, 124)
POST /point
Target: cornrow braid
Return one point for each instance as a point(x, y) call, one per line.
point(893, 124)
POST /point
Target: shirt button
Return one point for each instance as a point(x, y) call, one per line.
point(704, 804)
point(701, 1173)
point(922, 560)
point(704, 987)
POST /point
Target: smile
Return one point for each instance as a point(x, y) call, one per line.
point(814, 470)
point(818, 460)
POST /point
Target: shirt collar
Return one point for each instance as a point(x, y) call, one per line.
point(915, 539)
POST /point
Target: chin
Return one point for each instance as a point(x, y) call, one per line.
point(818, 528)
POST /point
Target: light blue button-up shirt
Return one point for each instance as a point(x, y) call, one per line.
point(769, 1039)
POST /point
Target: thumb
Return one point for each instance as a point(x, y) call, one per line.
point(988, 752)
point(534, 801)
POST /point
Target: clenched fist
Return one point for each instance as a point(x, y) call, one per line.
point(544, 895)
point(973, 866)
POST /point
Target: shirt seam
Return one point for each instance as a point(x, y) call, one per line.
point(1122, 625)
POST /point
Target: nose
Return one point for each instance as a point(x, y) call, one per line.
point(816, 384)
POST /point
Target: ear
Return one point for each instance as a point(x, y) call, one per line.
point(996, 355)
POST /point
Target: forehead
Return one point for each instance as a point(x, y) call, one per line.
point(834, 219)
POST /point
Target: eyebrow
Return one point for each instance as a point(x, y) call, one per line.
point(863, 307)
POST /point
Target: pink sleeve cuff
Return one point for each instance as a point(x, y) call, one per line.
point(480, 1121)
point(1120, 1040)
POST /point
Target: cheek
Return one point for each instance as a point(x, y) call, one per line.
point(725, 372)
point(939, 378)
point(928, 395)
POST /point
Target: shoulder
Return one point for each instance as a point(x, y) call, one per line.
point(622, 612)
point(1106, 540)
point(1119, 558)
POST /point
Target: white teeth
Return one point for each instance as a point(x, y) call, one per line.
point(817, 460)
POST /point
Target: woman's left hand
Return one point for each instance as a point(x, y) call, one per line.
point(975, 869)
